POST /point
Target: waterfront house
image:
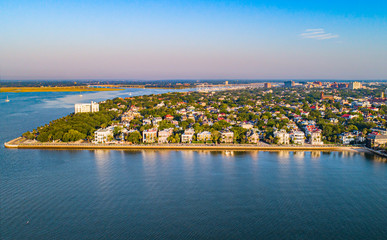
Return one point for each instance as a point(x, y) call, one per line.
point(283, 136)
point(298, 137)
point(164, 134)
point(347, 138)
point(316, 138)
point(149, 136)
point(103, 135)
point(187, 136)
point(227, 136)
point(375, 139)
point(252, 136)
point(204, 136)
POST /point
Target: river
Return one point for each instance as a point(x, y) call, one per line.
point(102, 194)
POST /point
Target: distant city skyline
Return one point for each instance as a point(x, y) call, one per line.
point(154, 40)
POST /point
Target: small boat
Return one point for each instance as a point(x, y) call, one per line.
point(7, 100)
point(80, 94)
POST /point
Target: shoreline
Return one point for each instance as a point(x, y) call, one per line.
point(15, 144)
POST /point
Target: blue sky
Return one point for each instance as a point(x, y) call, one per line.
point(193, 39)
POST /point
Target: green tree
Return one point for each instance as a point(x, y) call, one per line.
point(134, 137)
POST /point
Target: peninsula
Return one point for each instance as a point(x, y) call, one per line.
point(270, 116)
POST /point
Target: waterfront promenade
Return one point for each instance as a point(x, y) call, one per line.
point(21, 143)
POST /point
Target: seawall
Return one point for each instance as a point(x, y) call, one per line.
point(18, 144)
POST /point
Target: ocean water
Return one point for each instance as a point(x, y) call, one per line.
point(99, 194)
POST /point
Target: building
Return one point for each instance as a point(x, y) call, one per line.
point(327, 97)
point(298, 137)
point(316, 138)
point(156, 120)
point(355, 85)
point(252, 136)
point(347, 138)
point(283, 136)
point(187, 136)
point(267, 85)
point(376, 140)
point(204, 136)
point(227, 136)
point(381, 131)
point(168, 117)
point(289, 84)
point(103, 135)
point(149, 136)
point(247, 125)
point(86, 107)
point(146, 122)
point(164, 134)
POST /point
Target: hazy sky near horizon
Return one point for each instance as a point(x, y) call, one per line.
point(270, 39)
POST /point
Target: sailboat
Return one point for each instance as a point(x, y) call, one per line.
point(80, 94)
point(7, 100)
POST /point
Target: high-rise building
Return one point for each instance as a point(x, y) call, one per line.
point(355, 85)
point(86, 107)
point(267, 85)
point(289, 84)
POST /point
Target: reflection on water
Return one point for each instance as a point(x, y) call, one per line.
point(181, 194)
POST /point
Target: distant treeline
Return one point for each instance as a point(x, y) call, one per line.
point(42, 83)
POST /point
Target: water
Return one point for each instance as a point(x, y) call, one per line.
point(180, 194)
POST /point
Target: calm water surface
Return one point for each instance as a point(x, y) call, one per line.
point(180, 194)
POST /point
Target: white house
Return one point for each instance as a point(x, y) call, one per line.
point(227, 137)
point(283, 136)
point(204, 136)
point(316, 138)
point(102, 135)
point(164, 134)
point(298, 137)
point(187, 136)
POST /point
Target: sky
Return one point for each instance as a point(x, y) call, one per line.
point(148, 40)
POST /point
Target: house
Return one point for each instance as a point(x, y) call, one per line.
point(298, 137)
point(149, 136)
point(103, 135)
point(168, 117)
point(164, 134)
point(156, 120)
point(316, 138)
point(146, 122)
point(187, 136)
point(283, 136)
point(247, 125)
point(348, 116)
point(347, 138)
point(376, 139)
point(204, 136)
point(381, 131)
point(252, 136)
point(227, 136)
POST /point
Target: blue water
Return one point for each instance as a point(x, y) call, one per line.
point(180, 194)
